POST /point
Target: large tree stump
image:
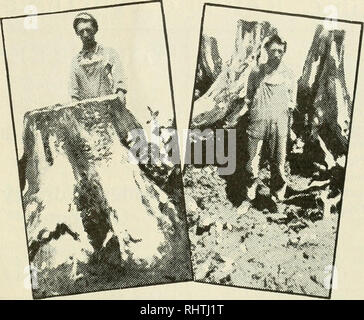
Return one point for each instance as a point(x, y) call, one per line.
point(81, 192)
point(324, 104)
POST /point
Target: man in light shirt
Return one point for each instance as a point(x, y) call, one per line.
point(271, 97)
point(96, 70)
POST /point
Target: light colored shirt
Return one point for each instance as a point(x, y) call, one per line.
point(95, 74)
point(271, 95)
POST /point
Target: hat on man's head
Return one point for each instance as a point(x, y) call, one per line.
point(83, 16)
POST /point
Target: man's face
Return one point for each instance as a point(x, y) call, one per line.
point(86, 32)
point(275, 54)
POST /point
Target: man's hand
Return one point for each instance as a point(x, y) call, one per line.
point(121, 96)
point(292, 106)
point(231, 122)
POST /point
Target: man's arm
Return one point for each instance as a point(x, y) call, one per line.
point(293, 95)
point(292, 91)
point(252, 85)
point(73, 84)
point(118, 73)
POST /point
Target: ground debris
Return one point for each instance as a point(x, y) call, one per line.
point(275, 250)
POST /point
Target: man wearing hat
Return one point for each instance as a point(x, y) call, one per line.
point(96, 70)
point(271, 97)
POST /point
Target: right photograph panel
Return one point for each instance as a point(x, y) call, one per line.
point(267, 148)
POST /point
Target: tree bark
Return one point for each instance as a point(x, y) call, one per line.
point(76, 177)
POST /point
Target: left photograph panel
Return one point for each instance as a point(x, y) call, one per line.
point(95, 136)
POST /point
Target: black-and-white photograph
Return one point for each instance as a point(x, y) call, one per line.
point(90, 93)
point(273, 98)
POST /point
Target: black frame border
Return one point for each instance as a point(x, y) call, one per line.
point(209, 4)
point(123, 4)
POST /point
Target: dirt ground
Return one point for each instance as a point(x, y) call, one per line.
point(281, 247)
point(105, 272)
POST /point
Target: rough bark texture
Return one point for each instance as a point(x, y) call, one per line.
point(89, 211)
point(324, 106)
point(230, 84)
point(208, 65)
